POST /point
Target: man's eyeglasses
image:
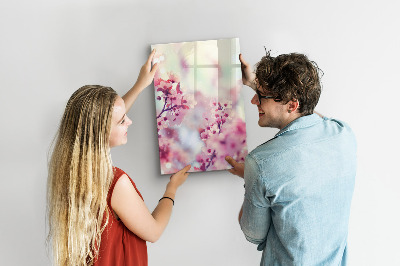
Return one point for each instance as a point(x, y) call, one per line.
point(276, 99)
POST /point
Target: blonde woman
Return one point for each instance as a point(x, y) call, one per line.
point(96, 214)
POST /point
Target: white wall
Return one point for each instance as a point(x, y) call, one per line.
point(49, 49)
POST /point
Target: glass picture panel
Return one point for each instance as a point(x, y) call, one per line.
point(199, 113)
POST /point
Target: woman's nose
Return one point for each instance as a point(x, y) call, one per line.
point(129, 122)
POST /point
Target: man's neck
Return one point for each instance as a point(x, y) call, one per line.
point(290, 119)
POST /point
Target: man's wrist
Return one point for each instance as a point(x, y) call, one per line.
point(253, 85)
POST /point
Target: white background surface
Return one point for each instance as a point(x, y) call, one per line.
point(48, 49)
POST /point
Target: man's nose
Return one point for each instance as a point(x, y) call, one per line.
point(254, 100)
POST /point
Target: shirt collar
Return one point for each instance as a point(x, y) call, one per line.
point(301, 122)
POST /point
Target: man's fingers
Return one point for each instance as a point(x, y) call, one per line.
point(232, 171)
point(242, 60)
point(231, 161)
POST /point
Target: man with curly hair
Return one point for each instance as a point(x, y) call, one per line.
point(299, 184)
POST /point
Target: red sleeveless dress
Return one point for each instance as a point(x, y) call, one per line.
point(119, 246)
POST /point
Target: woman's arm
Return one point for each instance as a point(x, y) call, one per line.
point(145, 78)
point(131, 209)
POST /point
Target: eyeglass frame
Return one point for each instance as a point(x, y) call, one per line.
point(276, 99)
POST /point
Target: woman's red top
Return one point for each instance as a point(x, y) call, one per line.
point(119, 246)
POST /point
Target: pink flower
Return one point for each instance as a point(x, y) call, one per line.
point(218, 127)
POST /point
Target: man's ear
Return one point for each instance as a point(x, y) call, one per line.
point(293, 105)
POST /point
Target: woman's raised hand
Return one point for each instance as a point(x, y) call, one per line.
point(145, 78)
point(146, 74)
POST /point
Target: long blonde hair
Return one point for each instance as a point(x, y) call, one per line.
point(80, 174)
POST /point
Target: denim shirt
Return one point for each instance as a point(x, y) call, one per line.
point(298, 190)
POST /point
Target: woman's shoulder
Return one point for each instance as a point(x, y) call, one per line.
point(120, 176)
point(123, 180)
point(118, 172)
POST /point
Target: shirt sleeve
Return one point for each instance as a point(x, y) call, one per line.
point(256, 217)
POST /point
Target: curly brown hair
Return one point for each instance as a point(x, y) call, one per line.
point(290, 77)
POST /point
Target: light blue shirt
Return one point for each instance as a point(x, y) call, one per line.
point(298, 190)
